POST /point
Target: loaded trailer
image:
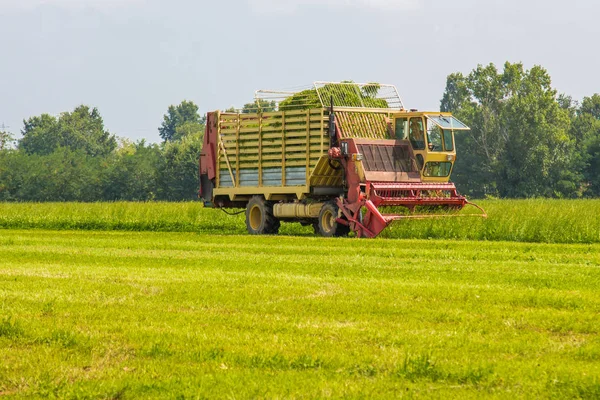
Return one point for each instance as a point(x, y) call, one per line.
point(331, 156)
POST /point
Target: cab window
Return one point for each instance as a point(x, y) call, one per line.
point(448, 142)
point(417, 133)
point(437, 169)
point(401, 128)
point(434, 138)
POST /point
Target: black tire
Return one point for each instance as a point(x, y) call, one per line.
point(259, 217)
point(328, 226)
point(315, 226)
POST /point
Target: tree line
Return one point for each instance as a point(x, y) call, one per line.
point(526, 140)
point(73, 157)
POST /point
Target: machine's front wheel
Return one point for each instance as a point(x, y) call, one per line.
point(259, 217)
point(328, 225)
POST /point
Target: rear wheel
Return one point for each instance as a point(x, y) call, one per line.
point(259, 217)
point(315, 226)
point(328, 225)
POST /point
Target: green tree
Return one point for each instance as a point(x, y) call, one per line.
point(185, 113)
point(63, 175)
point(82, 129)
point(519, 144)
point(178, 172)
point(591, 106)
point(586, 131)
point(131, 173)
point(592, 166)
point(259, 105)
point(40, 135)
point(190, 129)
point(6, 140)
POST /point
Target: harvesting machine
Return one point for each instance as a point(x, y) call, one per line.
point(332, 156)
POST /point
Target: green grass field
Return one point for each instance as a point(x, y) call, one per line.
point(105, 312)
point(541, 221)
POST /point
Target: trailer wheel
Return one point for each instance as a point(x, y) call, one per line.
point(328, 226)
point(259, 217)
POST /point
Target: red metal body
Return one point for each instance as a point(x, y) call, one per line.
point(208, 158)
point(387, 182)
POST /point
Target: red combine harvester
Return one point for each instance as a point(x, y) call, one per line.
point(332, 156)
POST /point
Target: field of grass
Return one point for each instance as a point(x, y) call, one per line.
point(541, 221)
point(87, 314)
point(94, 304)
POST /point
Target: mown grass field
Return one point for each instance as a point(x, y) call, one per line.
point(209, 313)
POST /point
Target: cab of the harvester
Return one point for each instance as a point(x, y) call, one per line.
point(431, 136)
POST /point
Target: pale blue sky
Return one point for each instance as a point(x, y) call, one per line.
point(133, 58)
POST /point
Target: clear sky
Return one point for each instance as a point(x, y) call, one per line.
point(133, 58)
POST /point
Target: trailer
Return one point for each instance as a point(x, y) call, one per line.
point(331, 156)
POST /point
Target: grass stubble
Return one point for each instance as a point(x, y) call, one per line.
point(202, 314)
